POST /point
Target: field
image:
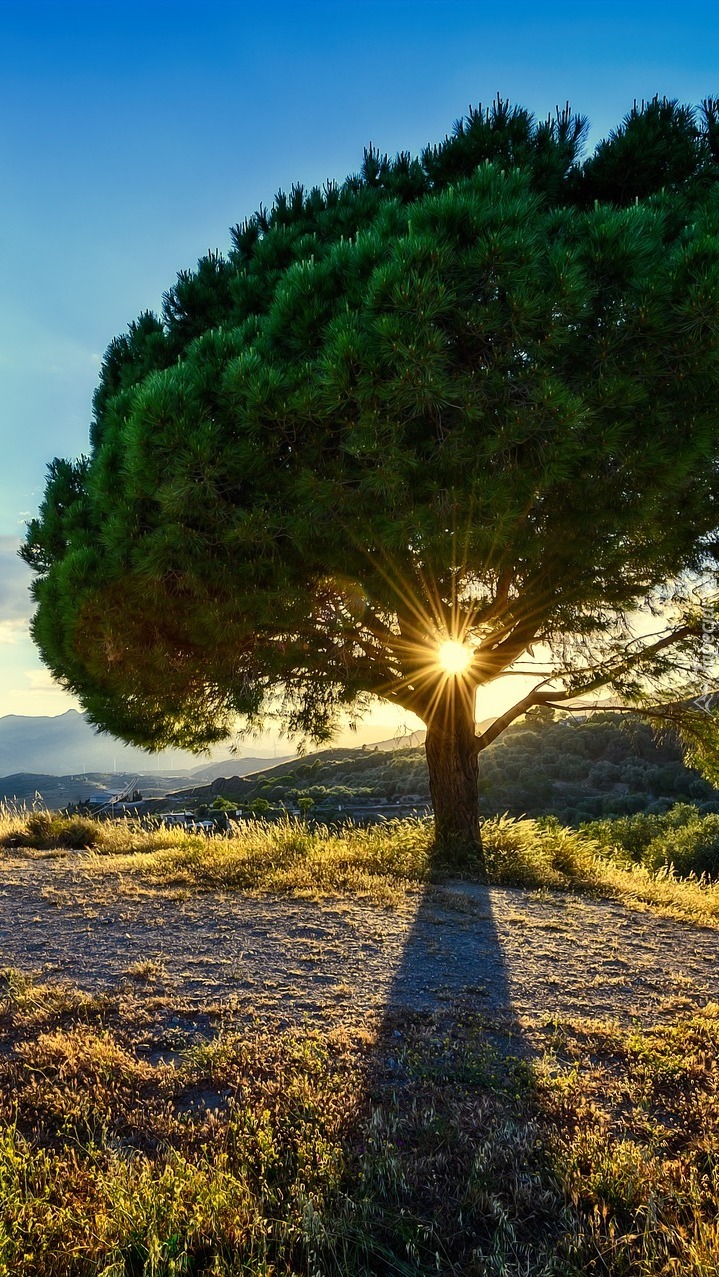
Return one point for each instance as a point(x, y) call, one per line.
point(532, 1090)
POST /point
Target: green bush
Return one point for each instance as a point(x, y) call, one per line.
point(683, 837)
point(691, 849)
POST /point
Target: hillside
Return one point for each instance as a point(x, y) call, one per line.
point(576, 769)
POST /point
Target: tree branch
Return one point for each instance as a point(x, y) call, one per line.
point(552, 698)
point(634, 659)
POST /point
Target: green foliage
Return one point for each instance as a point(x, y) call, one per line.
point(606, 765)
point(660, 145)
point(684, 839)
point(222, 804)
point(475, 387)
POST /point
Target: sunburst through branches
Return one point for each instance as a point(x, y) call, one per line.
point(454, 658)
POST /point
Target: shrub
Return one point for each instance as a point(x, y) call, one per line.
point(683, 837)
point(45, 830)
point(692, 848)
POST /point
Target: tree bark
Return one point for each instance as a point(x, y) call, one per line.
point(452, 749)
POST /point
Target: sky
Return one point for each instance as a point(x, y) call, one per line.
point(132, 136)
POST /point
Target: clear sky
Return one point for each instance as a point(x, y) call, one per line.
point(133, 135)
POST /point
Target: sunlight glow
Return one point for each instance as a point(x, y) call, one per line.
point(454, 657)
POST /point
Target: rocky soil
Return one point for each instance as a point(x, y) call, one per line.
point(509, 951)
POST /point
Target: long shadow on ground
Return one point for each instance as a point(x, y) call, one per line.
point(451, 1175)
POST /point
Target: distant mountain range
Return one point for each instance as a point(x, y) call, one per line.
point(29, 788)
point(69, 744)
point(63, 760)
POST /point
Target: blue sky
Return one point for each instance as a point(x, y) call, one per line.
point(132, 136)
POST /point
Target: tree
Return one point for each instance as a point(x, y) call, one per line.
point(467, 398)
point(220, 803)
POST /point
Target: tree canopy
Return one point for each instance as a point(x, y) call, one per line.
point(468, 395)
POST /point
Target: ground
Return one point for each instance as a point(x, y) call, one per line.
point(463, 1080)
point(504, 950)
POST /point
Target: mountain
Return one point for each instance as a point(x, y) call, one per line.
point(68, 743)
point(236, 767)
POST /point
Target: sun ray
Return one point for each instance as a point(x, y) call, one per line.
point(454, 658)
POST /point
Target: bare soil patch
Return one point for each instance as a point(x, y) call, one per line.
point(343, 960)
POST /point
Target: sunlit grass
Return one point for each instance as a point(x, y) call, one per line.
point(381, 862)
point(428, 1145)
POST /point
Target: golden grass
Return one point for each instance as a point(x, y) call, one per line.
point(379, 862)
point(22, 830)
point(426, 1146)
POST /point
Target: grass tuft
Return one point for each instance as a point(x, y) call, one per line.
point(383, 861)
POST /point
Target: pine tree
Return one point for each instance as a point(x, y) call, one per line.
point(468, 397)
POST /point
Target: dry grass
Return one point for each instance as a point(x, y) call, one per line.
point(265, 1152)
point(427, 1145)
point(22, 830)
point(543, 853)
point(378, 863)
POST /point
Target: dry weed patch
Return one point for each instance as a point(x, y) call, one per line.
point(260, 1152)
point(130, 1144)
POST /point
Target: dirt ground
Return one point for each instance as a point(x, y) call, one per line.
point(503, 950)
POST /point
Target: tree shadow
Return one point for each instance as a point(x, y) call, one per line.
point(453, 954)
point(451, 1174)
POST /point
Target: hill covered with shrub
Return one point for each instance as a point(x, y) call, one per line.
point(577, 769)
point(584, 769)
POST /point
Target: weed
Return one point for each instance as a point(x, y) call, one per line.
point(381, 862)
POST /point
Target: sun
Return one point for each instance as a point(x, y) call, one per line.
point(454, 658)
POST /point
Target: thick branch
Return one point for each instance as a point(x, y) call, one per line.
point(551, 698)
point(629, 663)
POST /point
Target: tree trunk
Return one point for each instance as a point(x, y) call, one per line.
point(451, 750)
